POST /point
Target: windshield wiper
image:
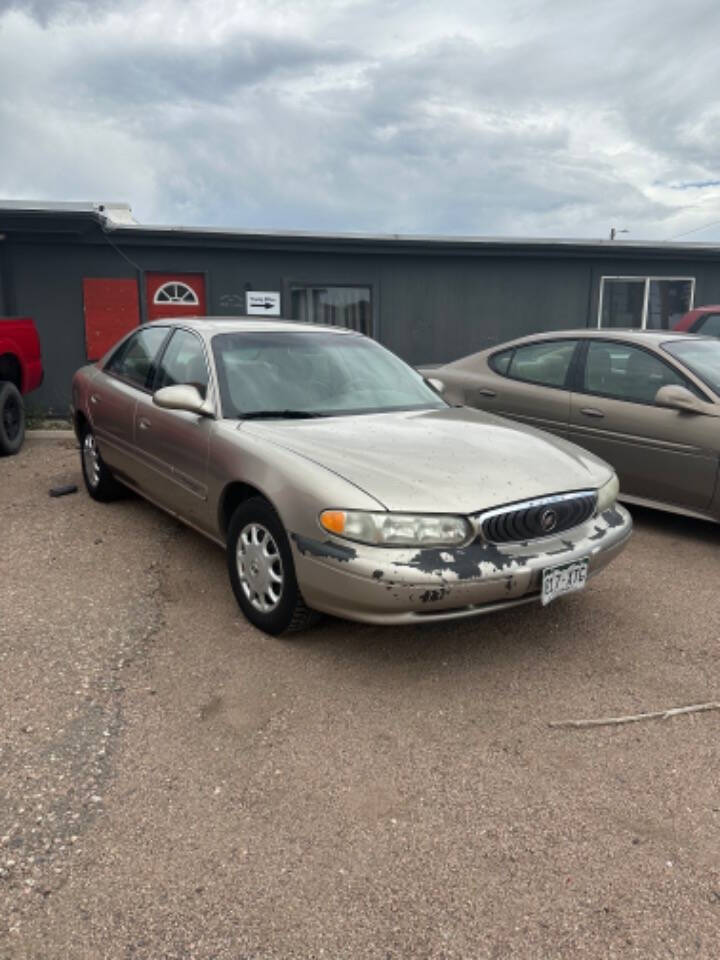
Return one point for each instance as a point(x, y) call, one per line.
point(280, 414)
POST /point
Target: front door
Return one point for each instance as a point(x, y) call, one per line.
point(174, 444)
point(659, 454)
point(175, 295)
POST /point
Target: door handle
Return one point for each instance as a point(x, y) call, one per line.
point(94, 398)
point(144, 423)
point(486, 392)
point(592, 412)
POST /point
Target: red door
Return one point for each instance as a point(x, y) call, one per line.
point(175, 295)
point(112, 309)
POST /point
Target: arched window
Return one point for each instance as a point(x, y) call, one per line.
point(175, 292)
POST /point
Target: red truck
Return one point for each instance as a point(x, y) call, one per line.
point(20, 372)
point(705, 320)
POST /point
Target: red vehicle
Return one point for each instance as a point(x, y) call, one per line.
point(705, 320)
point(20, 372)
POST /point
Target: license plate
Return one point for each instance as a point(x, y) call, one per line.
point(565, 578)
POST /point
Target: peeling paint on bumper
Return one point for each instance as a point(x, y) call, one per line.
point(399, 586)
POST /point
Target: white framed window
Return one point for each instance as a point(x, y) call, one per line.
point(176, 292)
point(652, 303)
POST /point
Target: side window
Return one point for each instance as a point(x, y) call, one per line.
point(545, 363)
point(623, 372)
point(499, 362)
point(183, 361)
point(709, 325)
point(134, 360)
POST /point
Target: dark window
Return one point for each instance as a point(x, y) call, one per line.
point(668, 301)
point(336, 306)
point(134, 360)
point(545, 363)
point(499, 362)
point(183, 362)
point(622, 302)
point(623, 372)
point(709, 325)
point(655, 303)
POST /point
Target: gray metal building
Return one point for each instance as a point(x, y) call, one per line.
point(88, 272)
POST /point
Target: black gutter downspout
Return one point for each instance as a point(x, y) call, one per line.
point(8, 303)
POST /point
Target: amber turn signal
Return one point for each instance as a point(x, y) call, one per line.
point(333, 520)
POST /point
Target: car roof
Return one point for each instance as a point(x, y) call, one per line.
point(212, 325)
point(651, 338)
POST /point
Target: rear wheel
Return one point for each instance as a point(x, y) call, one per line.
point(262, 572)
point(12, 418)
point(99, 482)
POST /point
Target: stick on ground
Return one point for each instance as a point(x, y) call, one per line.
point(634, 718)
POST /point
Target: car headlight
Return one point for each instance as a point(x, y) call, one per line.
point(396, 529)
point(608, 494)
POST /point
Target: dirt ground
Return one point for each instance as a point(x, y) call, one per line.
point(176, 785)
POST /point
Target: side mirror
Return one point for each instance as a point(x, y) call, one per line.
point(437, 385)
point(183, 396)
point(680, 398)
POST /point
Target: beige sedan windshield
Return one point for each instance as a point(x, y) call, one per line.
point(700, 356)
point(316, 374)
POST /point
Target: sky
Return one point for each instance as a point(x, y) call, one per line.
point(536, 118)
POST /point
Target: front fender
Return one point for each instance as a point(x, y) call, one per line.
point(298, 488)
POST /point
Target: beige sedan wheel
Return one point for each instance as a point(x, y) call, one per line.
point(262, 572)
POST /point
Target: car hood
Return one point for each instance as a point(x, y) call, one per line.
point(455, 460)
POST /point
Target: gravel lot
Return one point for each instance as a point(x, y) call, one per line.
point(174, 784)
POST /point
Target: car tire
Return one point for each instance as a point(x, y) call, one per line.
point(12, 418)
point(262, 572)
point(99, 482)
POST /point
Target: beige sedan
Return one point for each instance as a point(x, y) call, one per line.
point(336, 479)
point(647, 402)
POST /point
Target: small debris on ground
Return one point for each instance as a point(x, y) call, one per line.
point(63, 490)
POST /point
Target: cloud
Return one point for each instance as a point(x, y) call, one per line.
point(45, 11)
point(539, 118)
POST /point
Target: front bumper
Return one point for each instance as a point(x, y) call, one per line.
point(401, 586)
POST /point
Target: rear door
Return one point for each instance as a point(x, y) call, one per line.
point(114, 394)
point(659, 454)
point(532, 384)
point(174, 444)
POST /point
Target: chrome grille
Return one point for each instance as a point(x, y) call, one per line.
point(533, 519)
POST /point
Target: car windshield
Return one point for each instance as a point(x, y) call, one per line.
point(702, 357)
point(293, 374)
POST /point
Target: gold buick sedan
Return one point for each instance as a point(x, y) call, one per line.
point(336, 478)
point(648, 402)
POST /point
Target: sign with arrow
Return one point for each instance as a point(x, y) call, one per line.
point(262, 303)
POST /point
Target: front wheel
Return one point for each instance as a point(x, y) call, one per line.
point(12, 418)
point(99, 482)
point(262, 572)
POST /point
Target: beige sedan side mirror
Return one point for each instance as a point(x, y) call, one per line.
point(183, 396)
point(680, 398)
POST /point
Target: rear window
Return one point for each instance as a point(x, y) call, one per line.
point(134, 359)
point(500, 362)
point(545, 363)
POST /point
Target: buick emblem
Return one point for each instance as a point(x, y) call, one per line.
point(548, 520)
